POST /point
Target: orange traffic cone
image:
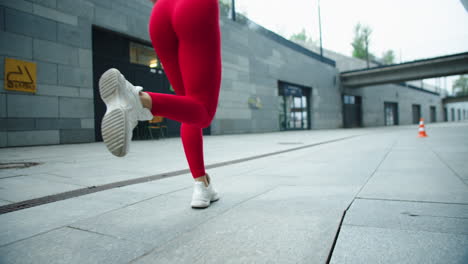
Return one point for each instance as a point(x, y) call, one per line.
point(422, 130)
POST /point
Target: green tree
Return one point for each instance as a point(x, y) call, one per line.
point(361, 43)
point(388, 57)
point(460, 86)
point(301, 37)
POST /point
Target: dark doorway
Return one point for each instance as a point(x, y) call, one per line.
point(416, 113)
point(352, 111)
point(295, 105)
point(136, 60)
point(433, 114)
point(445, 114)
point(452, 111)
point(391, 113)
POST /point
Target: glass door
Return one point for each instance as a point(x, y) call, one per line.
point(296, 112)
point(293, 114)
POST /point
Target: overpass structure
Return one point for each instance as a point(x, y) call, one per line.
point(408, 71)
point(455, 99)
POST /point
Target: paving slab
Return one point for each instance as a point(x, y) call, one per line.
point(429, 184)
point(289, 224)
point(358, 245)
point(278, 209)
point(158, 220)
point(418, 216)
point(18, 188)
point(68, 245)
point(91, 165)
point(398, 160)
point(32, 221)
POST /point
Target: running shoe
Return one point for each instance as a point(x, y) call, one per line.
point(203, 196)
point(124, 109)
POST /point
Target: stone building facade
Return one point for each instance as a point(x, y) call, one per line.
point(269, 83)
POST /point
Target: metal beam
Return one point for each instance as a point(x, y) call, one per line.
point(415, 70)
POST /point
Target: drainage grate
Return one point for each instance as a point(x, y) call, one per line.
point(17, 165)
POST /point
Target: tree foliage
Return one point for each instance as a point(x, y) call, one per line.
point(388, 57)
point(301, 37)
point(460, 86)
point(361, 41)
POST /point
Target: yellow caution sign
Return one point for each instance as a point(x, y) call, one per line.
point(20, 75)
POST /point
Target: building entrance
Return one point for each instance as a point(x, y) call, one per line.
point(433, 114)
point(391, 114)
point(416, 113)
point(352, 113)
point(294, 113)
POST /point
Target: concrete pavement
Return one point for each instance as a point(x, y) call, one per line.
point(375, 195)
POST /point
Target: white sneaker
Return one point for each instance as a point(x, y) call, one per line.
point(124, 109)
point(203, 196)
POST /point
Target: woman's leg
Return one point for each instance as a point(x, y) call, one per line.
point(189, 48)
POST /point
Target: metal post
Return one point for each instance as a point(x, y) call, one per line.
point(320, 29)
point(233, 10)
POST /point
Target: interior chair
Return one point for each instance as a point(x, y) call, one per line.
point(157, 123)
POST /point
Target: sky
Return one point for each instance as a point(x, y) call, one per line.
point(413, 29)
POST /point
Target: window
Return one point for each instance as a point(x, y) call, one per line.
point(349, 99)
point(144, 55)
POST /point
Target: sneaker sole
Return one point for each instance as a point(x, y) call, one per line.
point(204, 207)
point(114, 123)
point(200, 207)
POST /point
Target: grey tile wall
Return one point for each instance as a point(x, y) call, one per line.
point(18, 5)
point(47, 73)
point(30, 25)
point(74, 76)
point(47, 3)
point(3, 105)
point(30, 106)
point(12, 44)
point(76, 107)
point(57, 90)
point(27, 138)
point(78, 8)
point(55, 52)
point(55, 15)
point(2, 18)
point(3, 139)
point(76, 136)
point(2, 67)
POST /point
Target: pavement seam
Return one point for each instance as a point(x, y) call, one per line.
point(409, 201)
point(29, 237)
point(335, 240)
point(204, 222)
point(97, 215)
point(92, 189)
point(106, 235)
point(446, 164)
point(125, 206)
point(8, 177)
point(409, 230)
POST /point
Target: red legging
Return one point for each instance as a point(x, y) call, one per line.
point(186, 36)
